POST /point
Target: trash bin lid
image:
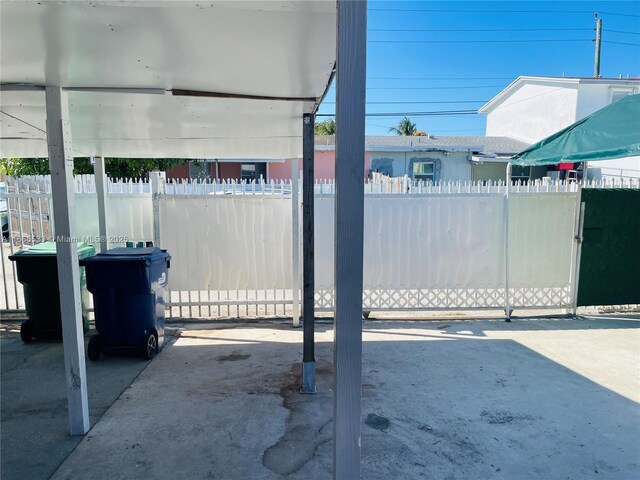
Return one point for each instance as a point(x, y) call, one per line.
point(49, 248)
point(126, 254)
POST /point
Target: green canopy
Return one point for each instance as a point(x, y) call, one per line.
point(612, 132)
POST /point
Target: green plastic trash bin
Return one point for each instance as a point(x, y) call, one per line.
point(37, 271)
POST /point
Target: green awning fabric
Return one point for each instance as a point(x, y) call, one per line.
point(612, 132)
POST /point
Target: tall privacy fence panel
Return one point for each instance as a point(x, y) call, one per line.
point(442, 246)
point(448, 251)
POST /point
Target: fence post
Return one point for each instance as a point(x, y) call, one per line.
point(158, 186)
point(295, 234)
point(101, 194)
point(507, 299)
point(579, 230)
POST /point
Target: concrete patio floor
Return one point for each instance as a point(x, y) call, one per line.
point(536, 398)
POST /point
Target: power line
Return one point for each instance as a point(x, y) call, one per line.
point(478, 29)
point(416, 103)
point(413, 10)
point(621, 14)
point(545, 40)
point(439, 78)
point(621, 31)
point(622, 43)
point(437, 113)
point(431, 10)
point(422, 114)
point(435, 88)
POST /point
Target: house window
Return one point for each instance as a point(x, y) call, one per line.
point(199, 169)
point(248, 171)
point(253, 171)
point(424, 171)
point(383, 166)
point(520, 173)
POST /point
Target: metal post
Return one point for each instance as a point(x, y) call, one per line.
point(295, 234)
point(507, 297)
point(157, 181)
point(349, 219)
point(596, 62)
point(61, 165)
point(308, 281)
point(579, 237)
point(101, 194)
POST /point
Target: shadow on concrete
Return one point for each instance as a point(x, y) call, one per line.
point(35, 436)
point(224, 403)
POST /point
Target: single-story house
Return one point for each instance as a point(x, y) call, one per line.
point(429, 158)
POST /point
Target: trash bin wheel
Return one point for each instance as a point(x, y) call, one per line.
point(25, 332)
point(149, 346)
point(366, 313)
point(94, 349)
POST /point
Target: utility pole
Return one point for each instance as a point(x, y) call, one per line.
point(596, 64)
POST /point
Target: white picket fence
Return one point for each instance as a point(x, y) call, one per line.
point(439, 246)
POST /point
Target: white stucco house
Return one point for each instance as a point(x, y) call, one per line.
point(532, 108)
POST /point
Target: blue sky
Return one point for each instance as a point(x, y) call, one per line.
point(404, 70)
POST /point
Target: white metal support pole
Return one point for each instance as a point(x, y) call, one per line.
point(62, 190)
point(351, 56)
point(101, 194)
point(507, 297)
point(295, 230)
point(158, 181)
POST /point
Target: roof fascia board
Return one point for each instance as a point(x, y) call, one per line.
point(632, 82)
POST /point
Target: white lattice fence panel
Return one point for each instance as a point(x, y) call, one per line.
point(454, 299)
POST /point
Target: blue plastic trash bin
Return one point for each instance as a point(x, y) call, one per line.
point(128, 287)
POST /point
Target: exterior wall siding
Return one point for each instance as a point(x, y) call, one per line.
point(229, 171)
point(178, 173)
point(534, 111)
point(451, 167)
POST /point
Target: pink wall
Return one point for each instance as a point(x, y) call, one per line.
point(324, 165)
point(178, 173)
point(325, 168)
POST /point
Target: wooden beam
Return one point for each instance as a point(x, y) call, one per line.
point(101, 194)
point(349, 217)
point(308, 302)
point(61, 165)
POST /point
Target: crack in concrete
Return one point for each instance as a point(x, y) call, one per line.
point(305, 426)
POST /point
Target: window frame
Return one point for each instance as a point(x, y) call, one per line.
point(524, 178)
point(420, 176)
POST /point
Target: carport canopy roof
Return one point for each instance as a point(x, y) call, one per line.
point(180, 78)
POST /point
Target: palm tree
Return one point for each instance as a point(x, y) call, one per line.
point(328, 127)
point(405, 127)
